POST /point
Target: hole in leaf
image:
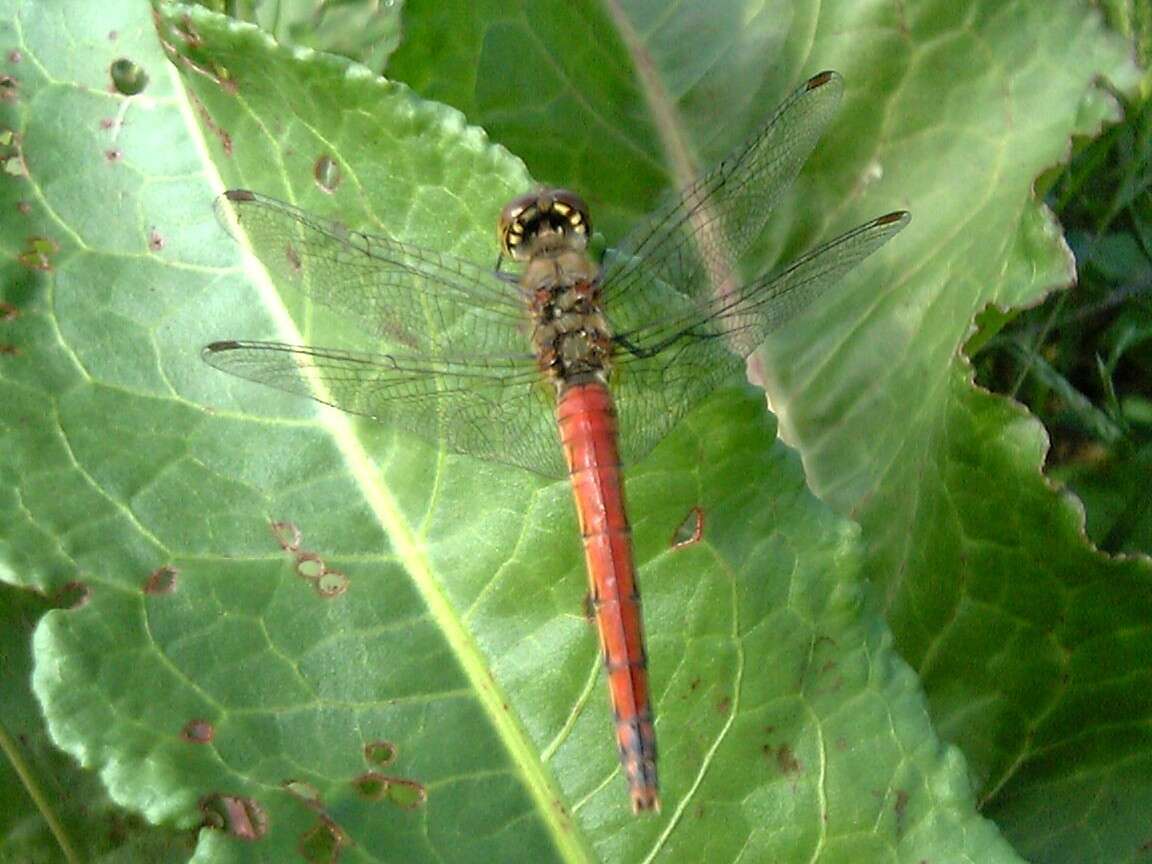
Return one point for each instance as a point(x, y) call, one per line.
point(127, 77)
point(309, 565)
point(380, 753)
point(322, 843)
point(690, 531)
point(239, 816)
point(372, 786)
point(332, 583)
point(287, 535)
point(327, 173)
point(113, 155)
point(407, 794)
point(198, 732)
point(162, 580)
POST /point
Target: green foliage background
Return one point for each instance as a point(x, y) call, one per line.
point(1016, 724)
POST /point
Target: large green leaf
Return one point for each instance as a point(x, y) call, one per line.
point(1032, 647)
point(789, 729)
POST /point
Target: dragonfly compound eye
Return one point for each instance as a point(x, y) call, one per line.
point(549, 212)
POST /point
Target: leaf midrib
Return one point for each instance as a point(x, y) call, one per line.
point(406, 543)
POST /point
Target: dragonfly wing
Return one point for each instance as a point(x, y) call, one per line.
point(664, 368)
point(693, 242)
point(416, 299)
point(652, 394)
point(498, 409)
point(742, 319)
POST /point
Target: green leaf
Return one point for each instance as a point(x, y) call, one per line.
point(51, 810)
point(953, 111)
point(214, 677)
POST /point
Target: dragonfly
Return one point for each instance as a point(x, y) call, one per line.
point(559, 363)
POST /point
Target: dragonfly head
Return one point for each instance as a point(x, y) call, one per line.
point(542, 220)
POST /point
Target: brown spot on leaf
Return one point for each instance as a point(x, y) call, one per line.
point(900, 807)
point(162, 580)
point(292, 256)
point(8, 312)
point(7, 349)
point(187, 32)
point(155, 241)
point(240, 816)
point(73, 595)
point(206, 118)
point(786, 760)
point(9, 88)
point(24, 207)
point(724, 704)
point(198, 732)
point(114, 155)
point(589, 608)
point(37, 253)
point(15, 56)
point(327, 174)
point(305, 792)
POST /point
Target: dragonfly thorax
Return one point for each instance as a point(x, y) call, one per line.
point(571, 335)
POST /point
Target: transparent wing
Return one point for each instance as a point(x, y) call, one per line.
point(415, 299)
point(499, 409)
point(666, 366)
point(692, 244)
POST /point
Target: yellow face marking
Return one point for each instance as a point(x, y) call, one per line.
point(561, 208)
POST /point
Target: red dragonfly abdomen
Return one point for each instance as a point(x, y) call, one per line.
point(587, 419)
